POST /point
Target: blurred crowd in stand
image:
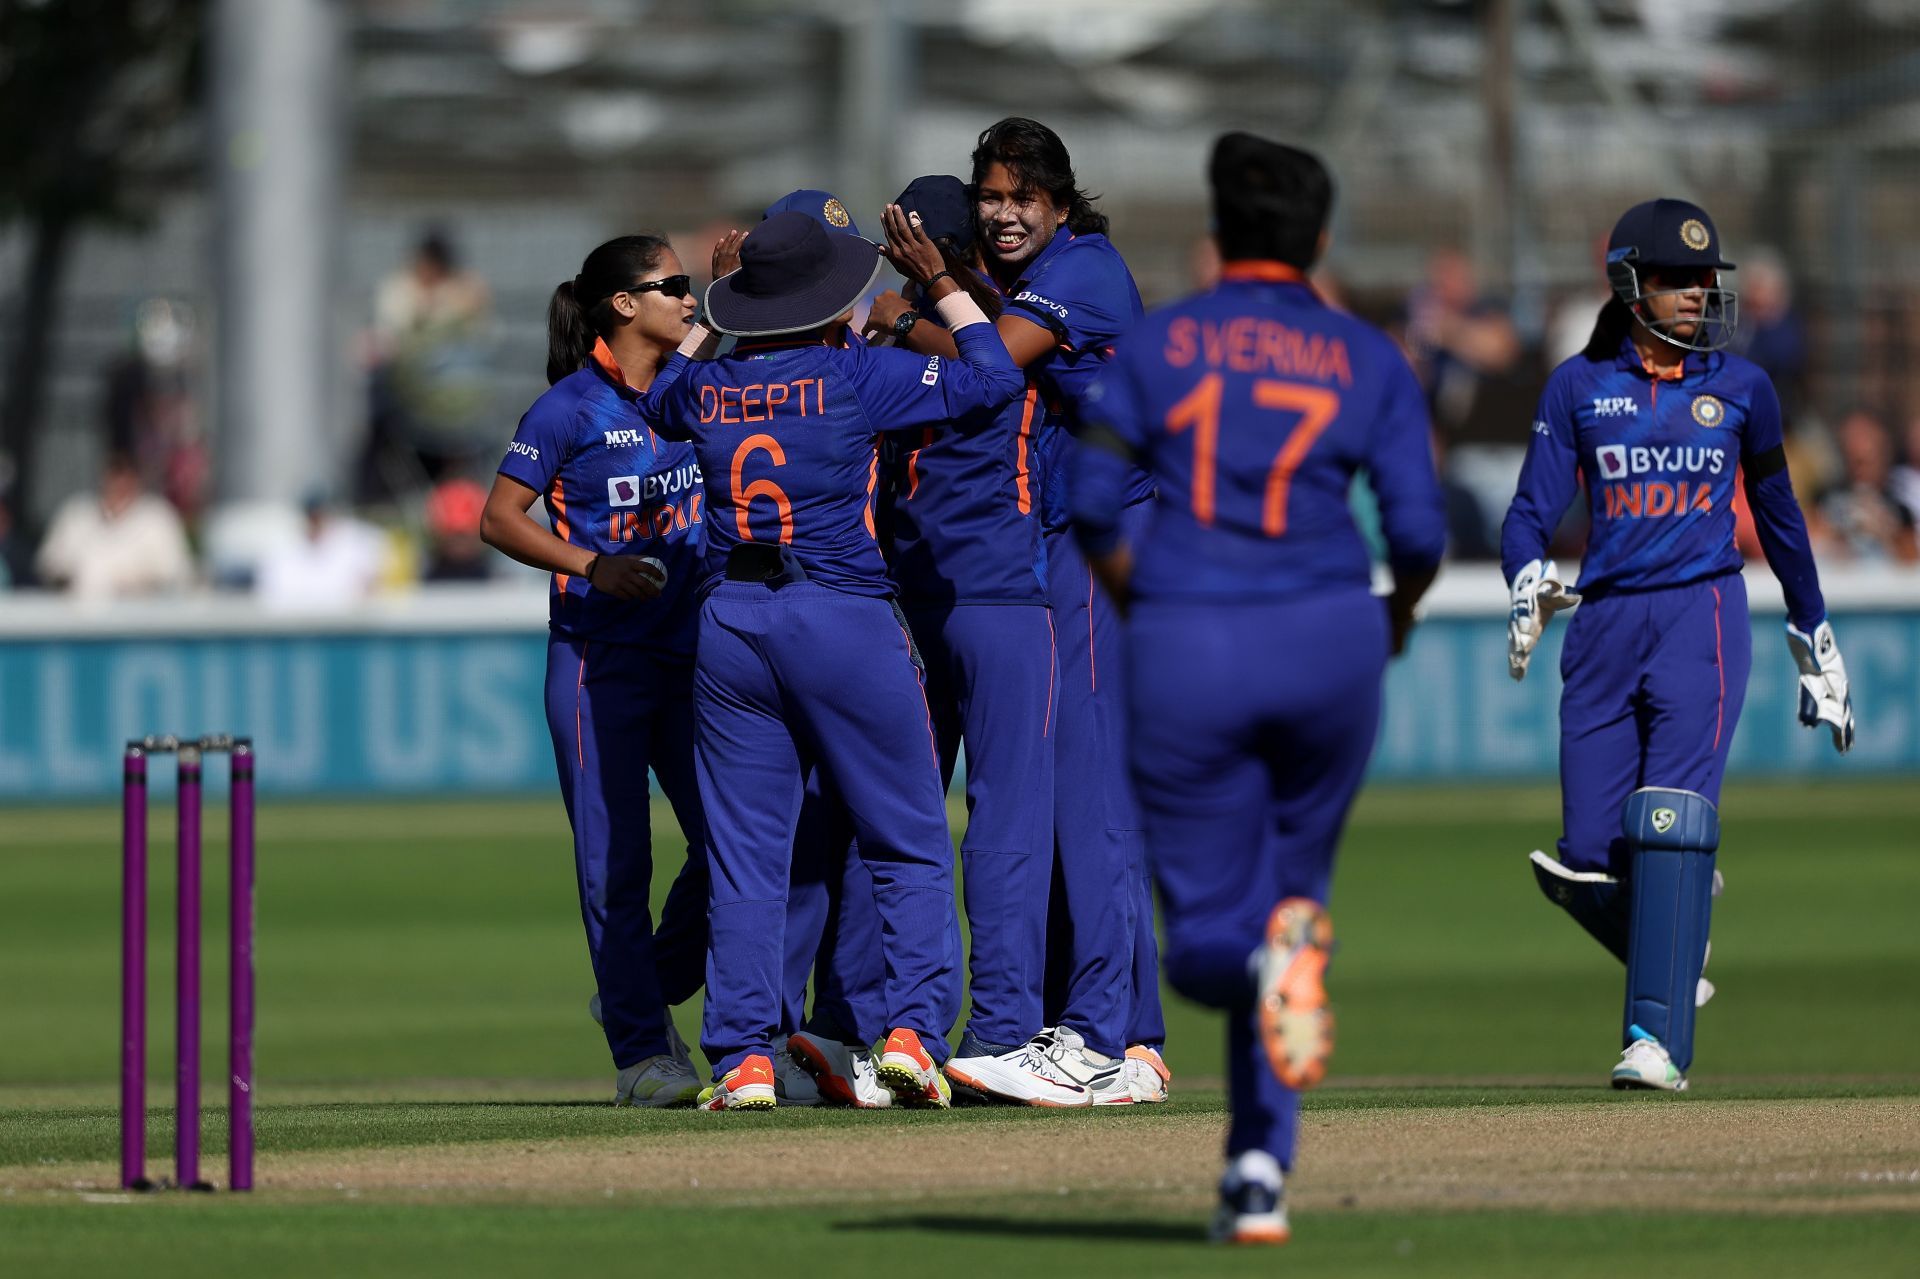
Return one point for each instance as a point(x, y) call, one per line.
point(409, 508)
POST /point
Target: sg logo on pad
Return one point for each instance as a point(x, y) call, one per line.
point(1663, 820)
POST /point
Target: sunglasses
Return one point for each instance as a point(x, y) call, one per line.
point(674, 286)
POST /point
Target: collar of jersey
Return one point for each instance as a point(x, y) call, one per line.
point(1629, 359)
point(756, 347)
point(1262, 271)
point(1061, 239)
point(609, 369)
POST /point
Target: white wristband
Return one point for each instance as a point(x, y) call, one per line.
point(696, 338)
point(958, 310)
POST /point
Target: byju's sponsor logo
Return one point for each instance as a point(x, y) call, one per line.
point(931, 375)
point(1617, 461)
point(524, 450)
point(623, 490)
point(667, 483)
point(1027, 295)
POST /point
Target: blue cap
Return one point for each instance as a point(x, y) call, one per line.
point(793, 277)
point(1668, 233)
point(945, 209)
point(818, 205)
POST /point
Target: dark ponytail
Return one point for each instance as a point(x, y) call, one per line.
point(961, 267)
point(581, 309)
point(1038, 159)
point(1610, 328)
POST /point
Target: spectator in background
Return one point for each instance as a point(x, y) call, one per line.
point(430, 377)
point(1455, 337)
point(118, 542)
point(455, 552)
point(1770, 333)
point(1469, 536)
point(151, 413)
point(1860, 517)
point(1572, 322)
point(333, 565)
point(1906, 476)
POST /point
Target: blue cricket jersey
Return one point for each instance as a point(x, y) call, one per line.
point(786, 435)
point(612, 487)
point(1659, 458)
point(1080, 290)
point(959, 511)
point(1252, 406)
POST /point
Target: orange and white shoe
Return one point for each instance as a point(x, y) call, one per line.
point(1147, 1076)
point(748, 1086)
point(1296, 1025)
point(908, 1071)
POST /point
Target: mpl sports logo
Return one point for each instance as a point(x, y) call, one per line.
point(625, 439)
point(1634, 499)
point(1615, 406)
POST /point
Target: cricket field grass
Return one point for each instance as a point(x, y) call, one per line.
point(431, 1093)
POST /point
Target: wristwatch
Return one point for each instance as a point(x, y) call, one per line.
point(904, 325)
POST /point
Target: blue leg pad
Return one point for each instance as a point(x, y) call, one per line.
point(1597, 902)
point(1672, 835)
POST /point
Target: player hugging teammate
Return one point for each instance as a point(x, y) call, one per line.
point(1662, 424)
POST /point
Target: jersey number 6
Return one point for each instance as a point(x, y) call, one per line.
point(1199, 409)
point(743, 497)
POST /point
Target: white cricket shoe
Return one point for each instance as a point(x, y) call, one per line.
point(1253, 1202)
point(1645, 1064)
point(593, 1010)
point(793, 1084)
point(844, 1073)
point(1703, 989)
point(1023, 1074)
point(1147, 1077)
point(1066, 1059)
point(657, 1082)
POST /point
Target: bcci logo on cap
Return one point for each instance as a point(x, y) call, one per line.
point(1708, 411)
point(835, 213)
point(1693, 232)
point(1663, 820)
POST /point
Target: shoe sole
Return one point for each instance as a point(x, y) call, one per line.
point(1268, 1236)
point(1296, 1026)
point(961, 1079)
point(1630, 1083)
point(909, 1089)
point(834, 1090)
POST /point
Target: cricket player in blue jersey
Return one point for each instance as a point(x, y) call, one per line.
point(1658, 421)
point(1068, 295)
point(626, 515)
point(1255, 646)
point(803, 657)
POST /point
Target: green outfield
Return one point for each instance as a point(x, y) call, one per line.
point(430, 1084)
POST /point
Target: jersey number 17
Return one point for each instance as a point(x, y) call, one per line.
point(1199, 411)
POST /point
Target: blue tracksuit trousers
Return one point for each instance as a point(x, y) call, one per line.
point(615, 711)
point(787, 676)
point(1248, 747)
point(1653, 685)
point(1099, 848)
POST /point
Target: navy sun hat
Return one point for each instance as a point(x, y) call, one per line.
point(945, 209)
point(793, 277)
point(818, 205)
point(1668, 233)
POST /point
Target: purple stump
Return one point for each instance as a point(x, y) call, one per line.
point(186, 1090)
point(240, 974)
point(133, 971)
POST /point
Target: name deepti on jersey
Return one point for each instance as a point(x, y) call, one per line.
point(1253, 344)
point(759, 401)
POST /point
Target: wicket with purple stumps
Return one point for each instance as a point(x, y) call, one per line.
point(189, 752)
